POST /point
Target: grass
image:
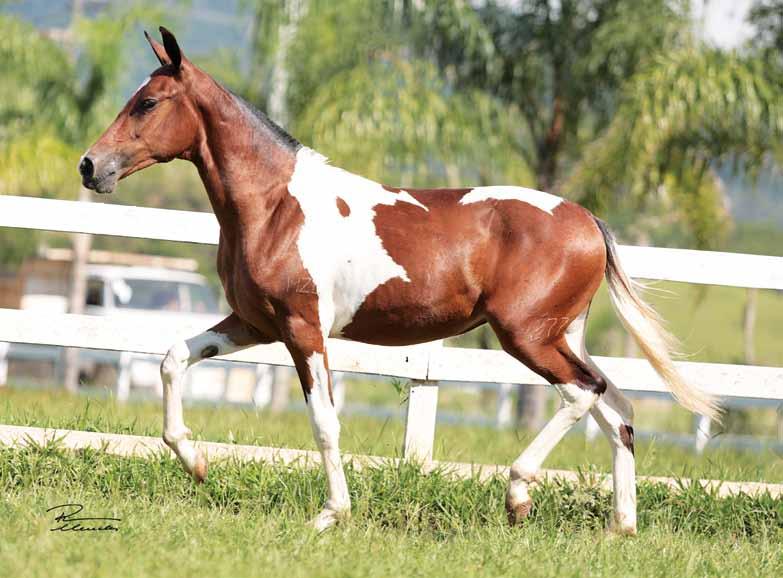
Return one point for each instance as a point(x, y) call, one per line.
point(249, 519)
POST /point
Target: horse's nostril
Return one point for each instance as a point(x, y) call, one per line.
point(86, 168)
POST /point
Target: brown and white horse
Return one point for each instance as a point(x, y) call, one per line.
point(310, 251)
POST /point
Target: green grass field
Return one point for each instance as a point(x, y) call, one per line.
point(248, 519)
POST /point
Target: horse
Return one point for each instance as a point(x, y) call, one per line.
point(309, 251)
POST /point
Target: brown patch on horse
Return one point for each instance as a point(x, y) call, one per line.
point(343, 207)
point(447, 265)
point(626, 436)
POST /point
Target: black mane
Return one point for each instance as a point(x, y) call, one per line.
point(278, 132)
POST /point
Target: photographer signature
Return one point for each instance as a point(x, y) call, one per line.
point(68, 523)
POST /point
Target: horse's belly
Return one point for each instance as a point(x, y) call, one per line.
point(403, 313)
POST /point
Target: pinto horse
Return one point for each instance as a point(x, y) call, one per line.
point(309, 251)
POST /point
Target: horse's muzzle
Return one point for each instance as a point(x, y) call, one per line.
point(100, 177)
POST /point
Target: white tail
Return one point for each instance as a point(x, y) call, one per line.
point(646, 327)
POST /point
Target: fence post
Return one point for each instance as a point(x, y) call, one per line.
point(420, 421)
point(124, 376)
point(749, 324)
point(281, 389)
point(3, 362)
point(262, 393)
point(703, 427)
point(420, 418)
point(504, 410)
point(338, 391)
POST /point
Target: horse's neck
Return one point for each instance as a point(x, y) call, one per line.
point(241, 165)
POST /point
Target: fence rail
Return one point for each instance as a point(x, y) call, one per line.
point(685, 265)
point(424, 363)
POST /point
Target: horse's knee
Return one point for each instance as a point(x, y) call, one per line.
point(596, 384)
point(175, 362)
point(172, 438)
point(522, 472)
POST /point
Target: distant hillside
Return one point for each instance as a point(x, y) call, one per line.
point(756, 202)
point(201, 26)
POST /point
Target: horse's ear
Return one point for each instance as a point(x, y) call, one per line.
point(158, 49)
point(172, 48)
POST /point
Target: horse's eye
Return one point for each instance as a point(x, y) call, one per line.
point(148, 104)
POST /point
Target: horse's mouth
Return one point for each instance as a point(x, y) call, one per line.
point(103, 184)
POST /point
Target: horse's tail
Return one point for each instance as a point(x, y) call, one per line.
point(646, 326)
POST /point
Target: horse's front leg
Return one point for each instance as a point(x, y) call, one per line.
point(309, 354)
point(231, 334)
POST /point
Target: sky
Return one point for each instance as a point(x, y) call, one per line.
point(723, 21)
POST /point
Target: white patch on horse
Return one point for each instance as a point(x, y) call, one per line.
point(406, 197)
point(539, 199)
point(344, 256)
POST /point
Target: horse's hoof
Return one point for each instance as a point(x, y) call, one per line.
point(518, 512)
point(328, 519)
point(200, 469)
point(617, 531)
point(622, 525)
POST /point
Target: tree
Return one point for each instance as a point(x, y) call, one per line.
point(683, 113)
point(624, 106)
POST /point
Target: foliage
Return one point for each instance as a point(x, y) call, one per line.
point(397, 117)
point(765, 15)
point(685, 111)
point(566, 90)
point(359, 94)
point(33, 71)
point(53, 99)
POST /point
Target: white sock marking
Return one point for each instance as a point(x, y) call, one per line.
point(326, 428)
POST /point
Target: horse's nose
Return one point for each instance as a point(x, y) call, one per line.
point(86, 168)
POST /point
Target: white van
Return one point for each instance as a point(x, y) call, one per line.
point(141, 292)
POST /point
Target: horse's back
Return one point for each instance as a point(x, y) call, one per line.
point(469, 246)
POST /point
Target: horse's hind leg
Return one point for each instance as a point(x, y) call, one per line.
point(231, 334)
point(579, 387)
point(614, 414)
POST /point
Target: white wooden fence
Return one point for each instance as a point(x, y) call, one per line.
point(425, 364)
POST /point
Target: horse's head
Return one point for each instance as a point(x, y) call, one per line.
point(160, 122)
